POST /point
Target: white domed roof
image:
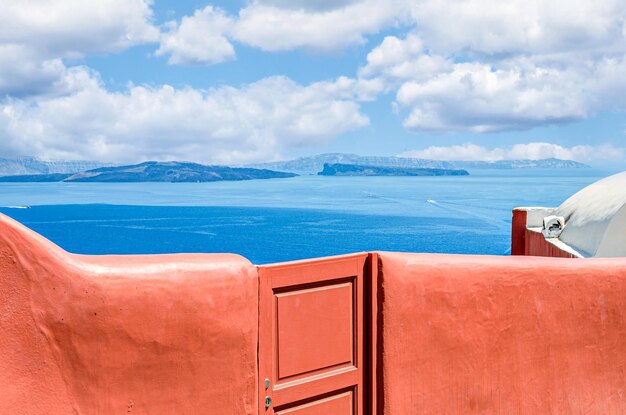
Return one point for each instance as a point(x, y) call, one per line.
point(595, 218)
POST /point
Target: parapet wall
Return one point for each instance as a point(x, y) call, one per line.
point(162, 334)
point(178, 334)
point(502, 335)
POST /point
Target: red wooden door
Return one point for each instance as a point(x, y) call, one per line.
point(311, 337)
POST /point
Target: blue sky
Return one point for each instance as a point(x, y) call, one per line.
point(236, 82)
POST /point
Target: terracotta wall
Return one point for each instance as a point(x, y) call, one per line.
point(170, 334)
point(167, 334)
point(536, 245)
point(501, 335)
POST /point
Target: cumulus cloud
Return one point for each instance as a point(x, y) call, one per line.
point(270, 27)
point(36, 35)
point(479, 65)
point(220, 125)
point(277, 25)
point(24, 73)
point(397, 60)
point(198, 39)
point(207, 36)
point(483, 29)
point(506, 66)
point(478, 98)
point(53, 110)
point(529, 151)
point(492, 28)
point(65, 28)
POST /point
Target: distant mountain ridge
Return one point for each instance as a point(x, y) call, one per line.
point(339, 169)
point(32, 165)
point(304, 165)
point(153, 171)
point(314, 164)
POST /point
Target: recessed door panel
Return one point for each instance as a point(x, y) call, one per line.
point(315, 328)
point(340, 404)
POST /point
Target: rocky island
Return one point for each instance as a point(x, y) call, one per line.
point(153, 171)
point(339, 169)
point(313, 164)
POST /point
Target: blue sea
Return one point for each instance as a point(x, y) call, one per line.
point(286, 219)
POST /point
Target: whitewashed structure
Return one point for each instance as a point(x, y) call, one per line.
point(592, 222)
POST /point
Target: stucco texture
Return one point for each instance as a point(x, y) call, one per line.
point(158, 334)
point(501, 335)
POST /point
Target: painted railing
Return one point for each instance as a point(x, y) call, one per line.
point(179, 334)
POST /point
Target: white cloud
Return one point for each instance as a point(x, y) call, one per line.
point(222, 125)
point(530, 27)
point(473, 29)
point(536, 151)
point(23, 73)
point(66, 28)
point(198, 39)
point(512, 92)
point(52, 110)
point(278, 25)
point(477, 98)
point(477, 65)
point(398, 61)
point(488, 65)
point(322, 26)
point(530, 151)
point(36, 35)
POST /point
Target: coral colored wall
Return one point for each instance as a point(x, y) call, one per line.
point(501, 335)
point(536, 245)
point(170, 334)
point(163, 334)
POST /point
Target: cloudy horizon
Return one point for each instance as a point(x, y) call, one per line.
point(253, 81)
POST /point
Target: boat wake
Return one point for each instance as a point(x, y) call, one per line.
point(498, 223)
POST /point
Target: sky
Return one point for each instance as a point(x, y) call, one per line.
point(235, 82)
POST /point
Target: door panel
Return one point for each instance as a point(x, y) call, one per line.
point(311, 336)
point(342, 403)
point(316, 327)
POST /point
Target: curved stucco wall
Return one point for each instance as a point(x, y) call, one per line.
point(178, 333)
point(124, 334)
point(501, 335)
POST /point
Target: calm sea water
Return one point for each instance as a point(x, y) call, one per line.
point(286, 219)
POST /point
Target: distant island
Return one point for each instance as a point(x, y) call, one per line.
point(313, 164)
point(34, 166)
point(339, 169)
point(153, 171)
point(30, 169)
